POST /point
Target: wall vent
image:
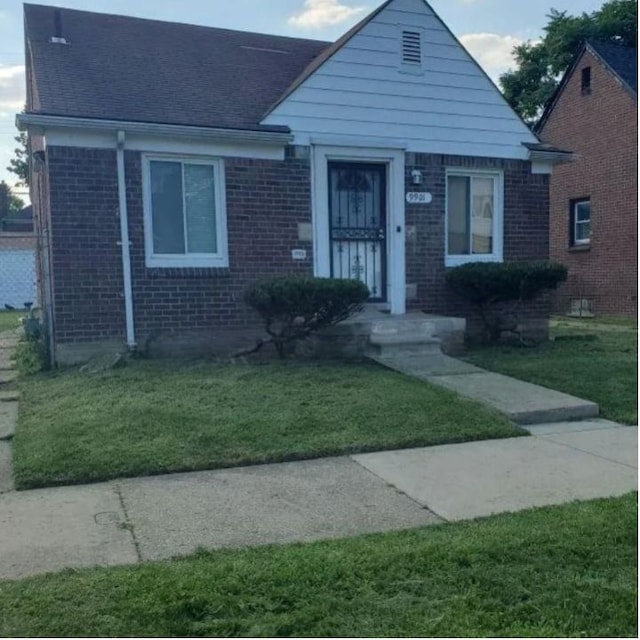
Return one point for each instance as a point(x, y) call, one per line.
point(411, 47)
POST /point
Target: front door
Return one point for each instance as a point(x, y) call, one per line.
point(358, 224)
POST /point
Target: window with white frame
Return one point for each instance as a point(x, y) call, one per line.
point(474, 217)
point(185, 217)
point(580, 222)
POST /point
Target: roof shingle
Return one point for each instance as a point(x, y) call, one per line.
point(133, 69)
point(622, 60)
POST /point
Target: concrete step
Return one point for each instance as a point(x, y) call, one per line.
point(396, 335)
point(8, 419)
point(8, 376)
point(6, 471)
point(6, 358)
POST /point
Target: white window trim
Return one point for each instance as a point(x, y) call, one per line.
point(574, 215)
point(395, 160)
point(189, 260)
point(498, 217)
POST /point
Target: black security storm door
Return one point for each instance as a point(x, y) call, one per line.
point(358, 227)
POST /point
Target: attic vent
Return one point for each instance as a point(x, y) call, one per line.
point(411, 47)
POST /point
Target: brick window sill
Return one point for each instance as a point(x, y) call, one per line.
point(189, 273)
point(580, 248)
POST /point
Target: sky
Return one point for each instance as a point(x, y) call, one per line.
point(488, 28)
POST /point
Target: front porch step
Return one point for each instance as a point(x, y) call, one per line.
point(404, 344)
point(407, 334)
point(374, 332)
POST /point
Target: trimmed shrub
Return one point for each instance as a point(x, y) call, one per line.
point(294, 307)
point(498, 290)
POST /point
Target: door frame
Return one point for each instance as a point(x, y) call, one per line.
point(381, 169)
point(394, 160)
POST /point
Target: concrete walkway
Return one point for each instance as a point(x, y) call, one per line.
point(522, 402)
point(133, 520)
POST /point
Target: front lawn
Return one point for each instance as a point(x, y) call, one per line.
point(558, 571)
point(589, 359)
point(152, 417)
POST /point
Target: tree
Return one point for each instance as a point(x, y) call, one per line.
point(540, 65)
point(20, 165)
point(9, 204)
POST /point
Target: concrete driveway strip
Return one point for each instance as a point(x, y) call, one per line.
point(52, 529)
point(279, 503)
point(475, 479)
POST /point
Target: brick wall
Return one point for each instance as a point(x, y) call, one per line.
point(601, 129)
point(86, 257)
point(265, 202)
point(526, 227)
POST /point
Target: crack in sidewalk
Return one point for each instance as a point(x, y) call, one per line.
point(423, 507)
point(575, 448)
point(127, 524)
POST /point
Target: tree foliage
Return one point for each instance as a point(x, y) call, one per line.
point(9, 203)
point(540, 65)
point(19, 165)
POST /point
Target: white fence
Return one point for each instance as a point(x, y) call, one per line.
point(18, 280)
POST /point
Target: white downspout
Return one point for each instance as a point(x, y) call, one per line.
point(124, 243)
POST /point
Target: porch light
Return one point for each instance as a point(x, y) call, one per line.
point(417, 177)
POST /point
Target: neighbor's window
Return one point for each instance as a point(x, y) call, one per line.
point(474, 217)
point(185, 222)
point(580, 222)
point(586, 81)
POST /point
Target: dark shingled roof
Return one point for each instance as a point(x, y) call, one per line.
point(623, 61)
point(122, 68)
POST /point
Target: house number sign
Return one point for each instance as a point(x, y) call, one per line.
point(419, 197)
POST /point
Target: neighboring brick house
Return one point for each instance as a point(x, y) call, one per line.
point(594, 200)
point(175, 165)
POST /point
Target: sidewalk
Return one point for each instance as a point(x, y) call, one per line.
point(8, 406)
point(134, 520)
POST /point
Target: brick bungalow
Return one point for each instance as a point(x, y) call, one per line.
point(174, 165)
point(594, 200)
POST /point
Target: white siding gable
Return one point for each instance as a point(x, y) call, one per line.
point(365, 93)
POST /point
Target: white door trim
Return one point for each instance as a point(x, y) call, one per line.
point(395, 161)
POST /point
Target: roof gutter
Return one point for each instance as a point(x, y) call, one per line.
point(25, 121)
point(553, 157)
point(547, 153)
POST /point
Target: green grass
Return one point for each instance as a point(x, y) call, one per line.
point(558, 571)
point(10, 319)
point(587, 359)
point(150, 417)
